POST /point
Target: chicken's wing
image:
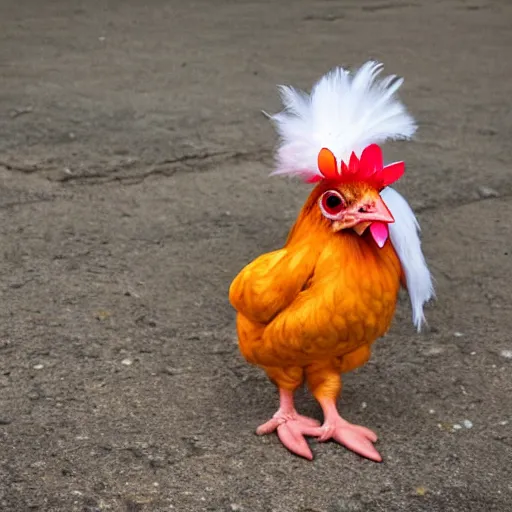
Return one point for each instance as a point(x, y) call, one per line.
point(271, 282)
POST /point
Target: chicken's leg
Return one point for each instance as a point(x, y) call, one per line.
point(325, 383)
point(290, 425)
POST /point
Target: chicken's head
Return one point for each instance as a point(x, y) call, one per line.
point(356, 206)
point(349, 197)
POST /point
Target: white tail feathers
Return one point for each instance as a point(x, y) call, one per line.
point(404, 235)
point(345, 112)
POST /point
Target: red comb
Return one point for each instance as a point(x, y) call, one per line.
point(368, 169)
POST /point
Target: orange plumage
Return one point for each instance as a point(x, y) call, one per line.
point(322, 297)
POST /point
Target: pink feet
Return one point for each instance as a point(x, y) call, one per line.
point(291, 429)
point(354, 437)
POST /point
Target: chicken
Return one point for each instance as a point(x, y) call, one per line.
point(311, 311)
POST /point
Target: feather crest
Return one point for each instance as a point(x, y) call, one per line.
point(345, 113)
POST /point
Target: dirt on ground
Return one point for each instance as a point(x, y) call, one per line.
point(134, 185)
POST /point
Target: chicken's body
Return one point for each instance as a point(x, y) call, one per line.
point(311, 310)
point(322, 297)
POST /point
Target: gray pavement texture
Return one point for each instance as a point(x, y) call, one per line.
point(134, 186)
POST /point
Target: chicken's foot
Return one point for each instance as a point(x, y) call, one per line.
point(354, 437)
point(291, 426)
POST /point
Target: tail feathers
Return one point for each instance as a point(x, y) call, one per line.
point(404, 235)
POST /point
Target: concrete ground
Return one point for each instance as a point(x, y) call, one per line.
point(134, 186)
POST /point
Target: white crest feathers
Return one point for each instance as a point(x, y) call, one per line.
point(345, 112)
point(404, 235)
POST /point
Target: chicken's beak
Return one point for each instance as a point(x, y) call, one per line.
point(363, 214)
point(378, 212)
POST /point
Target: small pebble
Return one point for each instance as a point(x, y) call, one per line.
point(431, 411)
point(458, 334)
point(103, 315)
point(487, 192)
point(504, 422)
point(457, 426)
point(38, 366)
point(434, 351)
point(468, 423)
point(364, 405)
point(507, 354)
point(127, 362)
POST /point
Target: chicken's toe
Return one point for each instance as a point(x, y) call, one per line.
point(291, 429)
point(354, 437)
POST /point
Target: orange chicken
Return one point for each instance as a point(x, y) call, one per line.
point(312, 310)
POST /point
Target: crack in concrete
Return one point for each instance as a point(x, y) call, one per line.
point(25, 169)
point(202, 162)
point(159, 168)
point(7, 206)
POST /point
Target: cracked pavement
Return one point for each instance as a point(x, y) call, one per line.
point(134, 164)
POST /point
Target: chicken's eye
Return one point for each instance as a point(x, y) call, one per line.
point(332, 203)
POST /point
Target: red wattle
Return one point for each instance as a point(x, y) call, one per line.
point(380, 233)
